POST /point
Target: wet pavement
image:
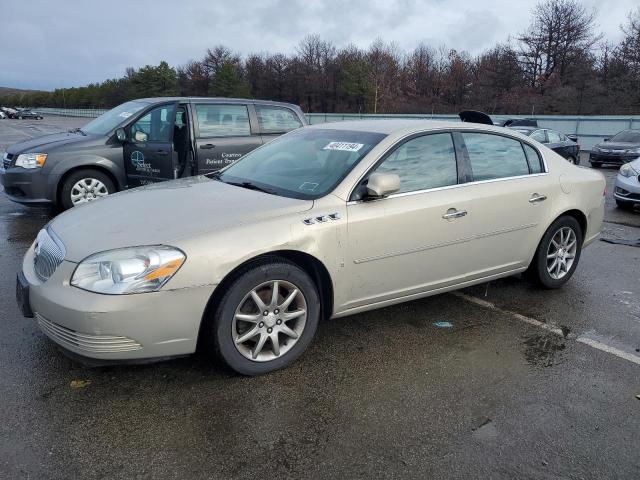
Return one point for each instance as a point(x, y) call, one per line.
point(385, 394)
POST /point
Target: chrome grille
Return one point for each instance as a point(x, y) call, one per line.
point(48, 254)
point(85, 341)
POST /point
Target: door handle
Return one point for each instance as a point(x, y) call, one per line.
point(453, 213)
point(207, 146)
point(537, 198)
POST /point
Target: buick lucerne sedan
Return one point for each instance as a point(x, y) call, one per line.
point(323, 222)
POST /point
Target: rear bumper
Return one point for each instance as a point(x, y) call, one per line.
point(29, 187)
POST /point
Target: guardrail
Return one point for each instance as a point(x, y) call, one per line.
point(589, 129)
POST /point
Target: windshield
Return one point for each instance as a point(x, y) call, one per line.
point(106, 122)
point(630, 136)
point(307, 163)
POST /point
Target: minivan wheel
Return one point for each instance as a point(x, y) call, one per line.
point(84, 186)
point(265, 319)
point(558, 253)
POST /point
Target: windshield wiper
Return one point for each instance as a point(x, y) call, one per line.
point(251, 186)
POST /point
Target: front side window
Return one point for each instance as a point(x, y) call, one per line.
point(422, 163)
point(223, 120)
point(157, 124)
point(277, 119)
point(306, 163)
point(495, 156)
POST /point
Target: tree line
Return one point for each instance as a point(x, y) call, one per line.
point(559, 65)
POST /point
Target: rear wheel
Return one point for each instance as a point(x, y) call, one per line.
point(84, 186)
point(558, 253)
point(573, 160)
point(266, 318)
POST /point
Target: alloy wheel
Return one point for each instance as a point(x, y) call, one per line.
point(561, 252)
point(269, 320)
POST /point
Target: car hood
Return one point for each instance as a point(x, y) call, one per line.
point(617, 145)
point(164, 213)
point(46, 143)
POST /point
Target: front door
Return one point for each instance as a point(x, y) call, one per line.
point(224, 134)
point(415, 240)
point(149, 155)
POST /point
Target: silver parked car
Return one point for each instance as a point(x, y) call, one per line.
point(326, 221)
point(627, 186)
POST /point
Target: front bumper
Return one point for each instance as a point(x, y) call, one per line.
point(115, 327)
point(611, 159)
point(29, 187)
point(627, 189)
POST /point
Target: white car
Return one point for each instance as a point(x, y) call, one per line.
point(325, 221)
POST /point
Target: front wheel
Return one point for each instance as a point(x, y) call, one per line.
point(266, 318)
point(573, 160)
point(84, 186)
point(558, 253)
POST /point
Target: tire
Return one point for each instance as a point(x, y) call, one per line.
point(573, 160)
point(538, 270)
point(621, 204)
point(70, 182)
point(596, 164)
point(222, 330)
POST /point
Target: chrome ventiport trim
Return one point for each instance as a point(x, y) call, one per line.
point(49, 252)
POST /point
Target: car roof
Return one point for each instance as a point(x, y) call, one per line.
point(153, 100)
point(526, 128)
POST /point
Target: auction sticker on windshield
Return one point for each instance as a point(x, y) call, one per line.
point(344, 146)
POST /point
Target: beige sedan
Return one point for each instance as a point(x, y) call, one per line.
point(323, 222)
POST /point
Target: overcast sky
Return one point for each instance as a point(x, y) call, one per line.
point(46, 44)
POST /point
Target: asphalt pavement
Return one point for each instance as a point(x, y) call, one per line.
point(525, 383)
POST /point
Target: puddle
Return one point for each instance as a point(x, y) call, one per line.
point(542, 349)
point(486, 431)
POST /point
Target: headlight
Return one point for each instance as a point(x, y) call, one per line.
point(627, 170)
point(633, 151)
point(31, 160)
point(128, 270)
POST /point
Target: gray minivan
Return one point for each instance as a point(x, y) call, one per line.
point(140, 142)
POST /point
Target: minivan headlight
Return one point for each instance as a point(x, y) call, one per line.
point(31, 160)
point(627, 170)
point(128, 270)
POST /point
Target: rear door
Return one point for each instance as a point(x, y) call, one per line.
point(274, 120)
point(224, 133)
point(148, 154)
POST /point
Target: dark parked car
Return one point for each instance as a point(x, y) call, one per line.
point(141, 142)
point(623, 147)
point(565, 145)
point(20, 114)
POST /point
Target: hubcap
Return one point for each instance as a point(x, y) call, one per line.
point(269, 320)
point(88, 190)
point(561, 252)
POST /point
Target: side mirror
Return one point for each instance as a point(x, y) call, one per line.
point(381, 185)
point(140, 137)
point(121, 135)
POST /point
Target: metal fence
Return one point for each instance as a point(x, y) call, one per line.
point(589, 129)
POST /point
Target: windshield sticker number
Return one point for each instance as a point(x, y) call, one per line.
point(309, 186)
point(344, 146)
point(125, 114)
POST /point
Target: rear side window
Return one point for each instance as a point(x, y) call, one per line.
point(539, 136)
point(423, 162)
point(277, 119)
point(535, 163)
point(554, 137)
point(223, 120)
point(494, 156)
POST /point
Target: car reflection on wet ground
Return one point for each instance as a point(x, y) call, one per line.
point(515, 382)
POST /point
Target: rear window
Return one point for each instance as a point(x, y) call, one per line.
point(495, 156)
point(223, 120)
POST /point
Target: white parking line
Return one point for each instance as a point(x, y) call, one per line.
point(585, 339)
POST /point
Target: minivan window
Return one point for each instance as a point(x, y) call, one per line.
point(220, 120)
point(424, 162)
point(306, 163)
point(157, 124)
point(276, 119)
point(108, 121)
point(495, 156)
